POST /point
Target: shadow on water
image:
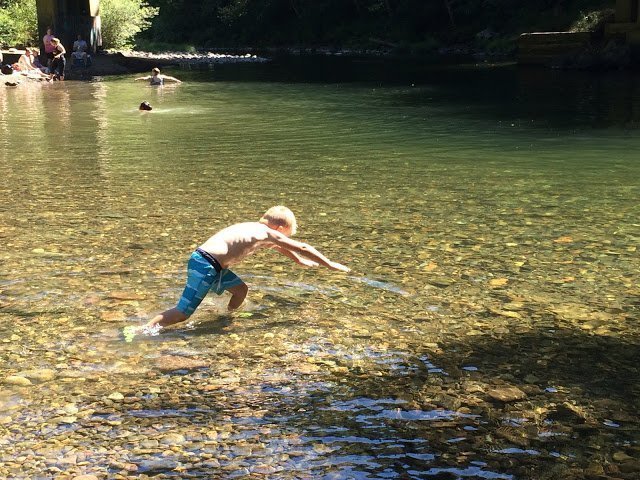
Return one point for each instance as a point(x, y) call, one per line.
point(524, 96)
point(600, 366)
point(536, 98)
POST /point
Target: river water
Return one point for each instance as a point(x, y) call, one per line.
point(489, 328)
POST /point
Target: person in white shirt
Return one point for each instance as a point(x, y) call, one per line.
point(80, 48)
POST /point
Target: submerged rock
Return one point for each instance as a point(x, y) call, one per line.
point(506, 394)
point(39, 376)
point(173, 439)
point(17, 380)
point(569, 412)
point(170, 363)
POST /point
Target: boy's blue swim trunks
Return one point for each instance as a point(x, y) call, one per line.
point(204, 275)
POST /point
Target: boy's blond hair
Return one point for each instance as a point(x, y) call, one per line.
point(280, 216)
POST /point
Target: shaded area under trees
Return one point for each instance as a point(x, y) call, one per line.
point(421, 24)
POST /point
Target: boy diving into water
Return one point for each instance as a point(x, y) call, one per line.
point(208, 267)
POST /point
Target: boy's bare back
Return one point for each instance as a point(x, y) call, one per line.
point(232, 244)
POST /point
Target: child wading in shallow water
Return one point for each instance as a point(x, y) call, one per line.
point(208, 267)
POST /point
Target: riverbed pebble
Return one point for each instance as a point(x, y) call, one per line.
point(17, 380)
point(506, 394)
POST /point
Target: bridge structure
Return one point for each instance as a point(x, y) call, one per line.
point(68, 18)
point(627, 22)
point(547, 48)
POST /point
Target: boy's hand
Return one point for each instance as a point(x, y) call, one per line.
point(339, 267)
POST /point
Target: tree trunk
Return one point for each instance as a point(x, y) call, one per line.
point(388, 6)
point(447, 3)
point(295, 8)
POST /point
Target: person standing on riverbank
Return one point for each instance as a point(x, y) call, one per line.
point(48, 46)
point(157, 79)
point(208, 267)
point(59, 61)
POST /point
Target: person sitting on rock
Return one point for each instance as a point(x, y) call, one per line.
point(35, 59)
point(156, 78)
point(26, 66)
point(80, 48)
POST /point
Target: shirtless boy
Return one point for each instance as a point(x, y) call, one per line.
point(157, 79)
point(208, 267)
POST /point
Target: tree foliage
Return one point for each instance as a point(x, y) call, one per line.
point(18, 23)
point(272, 22)
point(122, 20)
point(221, 23)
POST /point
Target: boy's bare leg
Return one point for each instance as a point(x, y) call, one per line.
point(238, 294)
point(166, 318)
point(173, 315)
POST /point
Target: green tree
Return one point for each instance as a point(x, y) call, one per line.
point(18, 23)
point(122, 20)
point(357, 22)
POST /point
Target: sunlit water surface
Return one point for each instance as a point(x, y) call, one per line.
point(489, 328)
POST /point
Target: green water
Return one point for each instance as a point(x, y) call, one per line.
point(490, 216)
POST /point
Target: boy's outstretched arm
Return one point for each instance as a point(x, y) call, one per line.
point(296, 258)
point(304, 250)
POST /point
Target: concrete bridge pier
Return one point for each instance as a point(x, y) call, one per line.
point(68, 18)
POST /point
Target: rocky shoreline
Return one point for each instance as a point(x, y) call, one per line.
point(122, 63)
point(165, 58)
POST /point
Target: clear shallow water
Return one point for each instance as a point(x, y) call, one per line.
point(490, 216)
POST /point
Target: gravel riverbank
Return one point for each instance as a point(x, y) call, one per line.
point(121, 63)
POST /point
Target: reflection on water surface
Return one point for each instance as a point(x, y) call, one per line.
point(489, 328)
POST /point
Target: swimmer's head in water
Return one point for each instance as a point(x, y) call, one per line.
point(145, 106)
point(155, 71)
